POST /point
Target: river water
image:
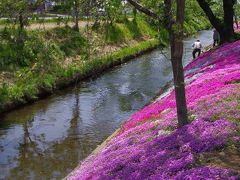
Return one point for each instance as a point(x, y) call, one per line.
point(47, 139)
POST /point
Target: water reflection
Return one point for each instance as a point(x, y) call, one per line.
point(48, 139)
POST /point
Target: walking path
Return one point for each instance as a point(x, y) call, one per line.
point(82, 24)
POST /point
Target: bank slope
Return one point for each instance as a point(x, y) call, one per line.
point(149, 145)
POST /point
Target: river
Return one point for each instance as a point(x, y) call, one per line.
point(48, 139)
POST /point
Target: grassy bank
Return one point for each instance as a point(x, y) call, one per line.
point(35, 63)
point(31, 86)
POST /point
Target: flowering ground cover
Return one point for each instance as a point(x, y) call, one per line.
point(150, 146)
point(237, 29)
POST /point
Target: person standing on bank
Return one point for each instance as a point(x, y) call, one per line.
point(216, 37)
point(197, 46)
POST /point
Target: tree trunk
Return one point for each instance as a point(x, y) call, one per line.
point(212, 18)
point(178, 75)
point(235, 2)
point(176, 60)
point(224, 28)
point(76, 13)
point(228, 34)
point(21, 22)
point(176, 42)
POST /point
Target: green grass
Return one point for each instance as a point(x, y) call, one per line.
point(96, 64)
point(127, 31)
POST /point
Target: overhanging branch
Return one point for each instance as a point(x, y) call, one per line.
point(208, 11)
point(143, 9)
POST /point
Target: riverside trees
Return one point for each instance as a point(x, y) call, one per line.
point(174, 25)
point(17, 10)
point(20, 11)
point(175, 29)
point(225, 26)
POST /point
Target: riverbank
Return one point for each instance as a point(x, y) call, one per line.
point(78, 73)
point(57, 58)
point(84, 115)
point(149, 145)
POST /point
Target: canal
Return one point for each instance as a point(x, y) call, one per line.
point(48, 139)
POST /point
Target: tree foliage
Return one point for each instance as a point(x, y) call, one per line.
point(19, 11)
point(220, 13)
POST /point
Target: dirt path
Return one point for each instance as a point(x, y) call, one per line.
point(82, 24)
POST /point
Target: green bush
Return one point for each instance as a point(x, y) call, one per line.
point(22, 49)
point(3, 93)
point(12, 48)
point(134, 29)
point(70, 41)
point(113, 34)
point(163, 36)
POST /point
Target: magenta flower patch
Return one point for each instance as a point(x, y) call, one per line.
point(151, 156)
point(149, 145)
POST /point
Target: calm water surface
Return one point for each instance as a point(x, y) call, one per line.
point(47, 140)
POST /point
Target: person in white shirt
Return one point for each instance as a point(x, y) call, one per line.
point(197, 46)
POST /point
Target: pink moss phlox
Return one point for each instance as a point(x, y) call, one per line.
point(149, 146)
point(223, 104)
point(207, 173)
point(216, 69)
point(163, 156)
point(225, 55)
